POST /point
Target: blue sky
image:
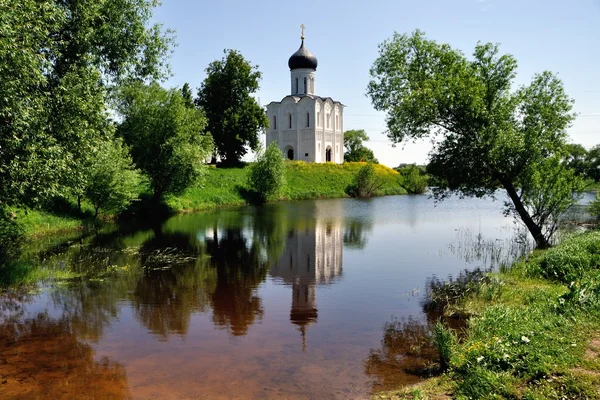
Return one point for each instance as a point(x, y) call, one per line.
point(560, 36)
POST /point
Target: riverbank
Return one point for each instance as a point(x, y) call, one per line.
point(533, 330)
point(224, 187)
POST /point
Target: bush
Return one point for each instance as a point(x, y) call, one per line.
point(594, 208)
point(11, 236)
point(366, 182)
point(571, 260)
point(413, 180)
point(267, 174)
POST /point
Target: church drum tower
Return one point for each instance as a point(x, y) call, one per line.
point(306, 127)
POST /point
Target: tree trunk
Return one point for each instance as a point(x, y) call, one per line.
point(79, 203)
point(96, 214)
point(535, 230)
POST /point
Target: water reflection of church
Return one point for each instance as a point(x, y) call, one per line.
point(312, 257)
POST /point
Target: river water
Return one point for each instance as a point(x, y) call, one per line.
point(288, 301)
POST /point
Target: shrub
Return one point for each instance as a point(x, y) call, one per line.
point(444, 340)
point(366, 182)
point(267, 174)
point(11, 236)
point(572, 259)
point(413, 180)
point(594, 208)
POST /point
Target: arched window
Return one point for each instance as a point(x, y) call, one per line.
point(328, 154)
point(290, 154)
point(305, 86)
point(328, 118)
point(296, 85)
point(290, 120)
point(318, 118)
point(308, 120)
point(337, 122)
point(274, 122)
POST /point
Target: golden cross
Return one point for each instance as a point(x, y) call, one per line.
point(302, 26)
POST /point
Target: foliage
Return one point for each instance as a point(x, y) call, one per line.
point(234, 116)
point(167, 140)
point(489, 136)
point(444, 340)
point(594, 207)
point(267, 174)
point(366, 182)
point(413, 179)
point(188, 98)
point(574, 258)
point(59, 60)
point(355, 150)
point(575, 158)
point(11, 236)
point(593, 163)
point(113, 180)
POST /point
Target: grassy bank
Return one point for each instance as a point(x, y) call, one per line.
point(221, 186)
point(533, 330)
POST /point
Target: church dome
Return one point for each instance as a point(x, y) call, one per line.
point(302, 59)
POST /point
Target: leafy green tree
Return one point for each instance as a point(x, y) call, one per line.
point(489, 136)
point(366, 182)
point(188, 98)
point(593, 163)
point(113, 180)
point(594, 207)
point(355, 150)
point(58, 59)
point(575, 158)
point(167, 140)
point(267, 174)
point(234, 117)
point(413, 179)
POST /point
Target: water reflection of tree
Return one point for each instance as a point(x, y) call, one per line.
point(240, 270)
point(406, 355)
point(41, 358)
point(176, 282)
point(356, 233)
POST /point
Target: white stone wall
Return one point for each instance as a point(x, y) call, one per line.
point(316, 126)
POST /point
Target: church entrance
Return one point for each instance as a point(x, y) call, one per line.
point(290, 154)
point(328, 154)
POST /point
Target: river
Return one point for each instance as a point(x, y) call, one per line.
point(289, 300)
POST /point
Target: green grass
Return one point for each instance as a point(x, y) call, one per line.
point(530, 330)
point(219, 187)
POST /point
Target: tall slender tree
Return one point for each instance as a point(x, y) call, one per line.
point(234, 117)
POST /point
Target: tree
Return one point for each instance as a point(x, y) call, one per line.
point(593, 163)
point(267, 174)
point(366, 182)
point(234, 116)
point(413, 179)
point(575, 158)
point(188, 98)
point(60, 60)
point(113, 180)
point(489, 136)
point(355, 150)
point(167, 140)
point(53, 53)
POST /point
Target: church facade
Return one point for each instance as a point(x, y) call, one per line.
point(306, 127)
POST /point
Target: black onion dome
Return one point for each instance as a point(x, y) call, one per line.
point(302, 59)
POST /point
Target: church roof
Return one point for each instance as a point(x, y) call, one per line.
point(299, 97)
point(302, 59)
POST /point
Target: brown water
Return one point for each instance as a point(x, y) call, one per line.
point(303, 300)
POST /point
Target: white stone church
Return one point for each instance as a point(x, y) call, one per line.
point(307, 127)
